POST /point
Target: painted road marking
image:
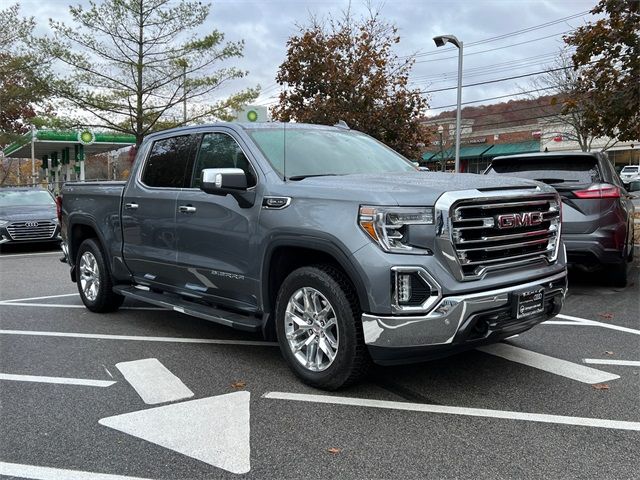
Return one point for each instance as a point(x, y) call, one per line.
point(30, 254)
point(473, 412)
point(584, 321)
point(153, 381)
point(607, 361)
point(14, 303)
point(140, 338)
point(41, 298)
point(48, 473)
point(61, 380)
point(214, 430)
point(553, 365)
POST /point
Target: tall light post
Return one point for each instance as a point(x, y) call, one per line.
point(441, 41)
point(442, 162)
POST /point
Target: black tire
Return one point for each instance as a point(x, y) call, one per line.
point(351, 361)
point(619, 273)
point(105, 299)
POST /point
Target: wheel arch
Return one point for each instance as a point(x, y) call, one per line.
point(286, 254)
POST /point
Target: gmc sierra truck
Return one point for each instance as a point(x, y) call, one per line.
point(322, 238)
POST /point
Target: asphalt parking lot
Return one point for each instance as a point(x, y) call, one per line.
point(559, 401)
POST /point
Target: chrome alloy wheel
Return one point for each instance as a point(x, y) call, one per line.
point(89, 276)
point(311, 329)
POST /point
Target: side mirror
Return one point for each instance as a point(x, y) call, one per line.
point(228, 181)
point(222, 181)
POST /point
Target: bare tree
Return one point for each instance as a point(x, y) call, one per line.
point(565, 113)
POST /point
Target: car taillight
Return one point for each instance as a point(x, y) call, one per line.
point(59, 208)
point(602, 190)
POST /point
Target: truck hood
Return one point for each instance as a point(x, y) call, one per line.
point(419, 188)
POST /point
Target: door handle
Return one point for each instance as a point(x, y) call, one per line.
point(131, 206)
point(186, 209)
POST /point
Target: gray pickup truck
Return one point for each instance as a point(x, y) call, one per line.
point(322, 238)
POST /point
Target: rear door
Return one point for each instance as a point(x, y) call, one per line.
point(571, 176)
point(149, 210)
point(215, 235)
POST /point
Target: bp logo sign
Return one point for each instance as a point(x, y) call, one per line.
point(252, 115)
point(86, 137)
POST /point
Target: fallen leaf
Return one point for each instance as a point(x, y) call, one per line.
point(601, 386)
point(607, 315)
point(334, 450)
point(608, 353)
point(238, 385)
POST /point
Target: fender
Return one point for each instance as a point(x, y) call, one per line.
point(314, 240)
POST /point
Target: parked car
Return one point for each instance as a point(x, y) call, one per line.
point(634, 189)
point(597, 212)
point(630, 173)
point(28, 215)
point(329, 241)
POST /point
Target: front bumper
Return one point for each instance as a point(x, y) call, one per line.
point(458, 322)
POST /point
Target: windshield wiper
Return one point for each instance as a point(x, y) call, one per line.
point(302, 177)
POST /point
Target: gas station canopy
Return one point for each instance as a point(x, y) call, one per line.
point(48, 142)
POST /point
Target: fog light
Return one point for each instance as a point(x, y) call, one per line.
point(403, 287)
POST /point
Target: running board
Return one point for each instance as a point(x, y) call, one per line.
point(172, 302)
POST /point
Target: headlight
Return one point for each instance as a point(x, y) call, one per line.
point(3, 222)
point(388, 226)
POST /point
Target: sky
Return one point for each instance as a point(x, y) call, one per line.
point(265, 26)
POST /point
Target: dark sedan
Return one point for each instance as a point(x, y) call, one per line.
point(597, 212)
point(28, 215)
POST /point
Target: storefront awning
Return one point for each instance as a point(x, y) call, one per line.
point(474, 151)
point(512, 148)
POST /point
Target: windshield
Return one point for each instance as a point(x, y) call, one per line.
point(630, 170)
point(302, 152)
point(552, 170)
point(25, 197)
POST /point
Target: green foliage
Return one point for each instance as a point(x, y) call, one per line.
point(23, 75)
point(132, 64)
point(608, 56)
point(345, 69)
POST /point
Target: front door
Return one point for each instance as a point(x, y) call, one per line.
point(216, 255)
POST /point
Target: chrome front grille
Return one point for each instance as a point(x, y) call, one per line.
point(495, 234)
point(32, 230)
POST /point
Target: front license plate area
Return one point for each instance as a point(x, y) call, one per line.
point(529, 303)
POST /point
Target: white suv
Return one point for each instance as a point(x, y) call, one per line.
point(630, 173)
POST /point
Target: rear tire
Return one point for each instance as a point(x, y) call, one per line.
point(319, 328)
point(619, 273)
point(94, 279)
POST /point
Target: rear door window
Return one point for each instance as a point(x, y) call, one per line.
point(552, 170)
point(168, 162)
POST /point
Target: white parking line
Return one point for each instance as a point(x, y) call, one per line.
point(48, 473)
point(553, 365)
point(60, 380)
point(140, 338)
point(473, 412)
point(40, 298)
point(607, 361)
point(584, 321)
point(14, 303)
point(153, 381)
point(30, 254)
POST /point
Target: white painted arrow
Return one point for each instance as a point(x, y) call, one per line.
point(214, 430)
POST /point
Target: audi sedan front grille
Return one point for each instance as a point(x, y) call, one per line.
point(491, 235)
point(32, 230)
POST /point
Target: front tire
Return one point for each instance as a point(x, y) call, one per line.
point(319, 328)
point(94, 279)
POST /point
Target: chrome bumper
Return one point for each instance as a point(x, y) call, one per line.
point(445, 320)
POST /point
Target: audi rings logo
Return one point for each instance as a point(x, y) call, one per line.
point(30, 224)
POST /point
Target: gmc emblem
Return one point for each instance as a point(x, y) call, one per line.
point(514, 220)
point(30, 224)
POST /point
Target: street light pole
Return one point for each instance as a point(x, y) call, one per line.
point(441, 41)
point(442, 162)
